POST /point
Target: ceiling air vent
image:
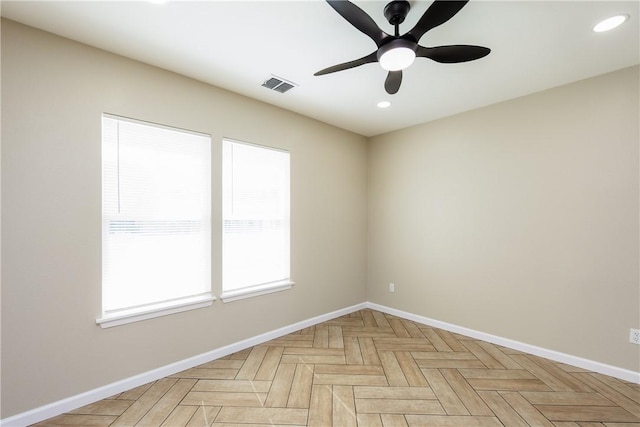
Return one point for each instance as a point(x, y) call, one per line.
point(278, 84)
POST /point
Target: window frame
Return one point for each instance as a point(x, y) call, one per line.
point(260, 288)
point(116, 317)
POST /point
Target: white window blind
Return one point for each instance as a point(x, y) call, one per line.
point(256, 217)
point(156, 215)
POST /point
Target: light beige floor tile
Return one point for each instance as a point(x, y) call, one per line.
point(180, 416)
point(104, 407)
point(381, 320)
point(335, 337)
point(398, 328)
point(368, 368)
point(321, 406)
point(445, 394)
point(369, 420)
point(488, 360)
point(526, 410)
point(313, 359)
point(349, 369)
point(629, 390)
point(368, 319)
point(344, 411)
point(300, 395)
point(369, 351)
point(167, 403)
point(393, 420)
point(529, 363)
point(467, 394)
point(269, 364)
point(449, 363)
point(413, 329)
point(204, 416)
point(221, 398)
point(367, 392)
point(587, 413)
point(268, 416)
point(499, 355)
point(402, 344)
point(565, 398)
point(352, 352)
point(203, 373)
point(369, 332)
point(252, 363)
point(223, 364)
point(78, 420)
point(279, 393)
point(135, 393)
point(338, 379)
point(436, 340)
point(392, 370)
point(140, 407)
point(497, 374)
point(446, 355)
point(321, 340)
point(398, 406)
point(235, 386)
point(410, 368)
point(452, 341)
point(452, 421)
point(505, 413)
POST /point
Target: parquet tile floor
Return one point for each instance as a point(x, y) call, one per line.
point(372, 369)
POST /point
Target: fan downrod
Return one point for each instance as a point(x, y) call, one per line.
point(396, 11)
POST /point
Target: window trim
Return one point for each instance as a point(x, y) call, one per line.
point(256, 290)
point(263, 288)
point(164, 308)
point(117, 317)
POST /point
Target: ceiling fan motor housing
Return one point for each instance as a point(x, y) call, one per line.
point(396, 11)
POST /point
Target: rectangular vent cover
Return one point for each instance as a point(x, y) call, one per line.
point(278, 84)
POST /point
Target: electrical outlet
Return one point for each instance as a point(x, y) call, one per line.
point(392, 287)
point(634, 336)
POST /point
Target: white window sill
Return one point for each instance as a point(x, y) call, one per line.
point(121, 317)
point(254, 291)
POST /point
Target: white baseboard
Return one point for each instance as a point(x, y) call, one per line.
point(65, 405)
point(602, 368)
point(74, 402)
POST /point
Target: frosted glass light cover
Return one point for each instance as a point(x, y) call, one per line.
point(398, 58)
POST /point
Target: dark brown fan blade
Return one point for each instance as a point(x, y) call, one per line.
point(438, 13)
point(453, 53)
point(373, 57)
point(392, 83)
point(359, 19)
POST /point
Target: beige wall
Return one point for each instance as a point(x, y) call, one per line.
point(53, 94)
point(518, 220)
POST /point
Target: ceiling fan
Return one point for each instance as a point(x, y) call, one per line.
point(397, 52)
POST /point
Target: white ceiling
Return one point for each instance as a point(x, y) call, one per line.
point(237, 45)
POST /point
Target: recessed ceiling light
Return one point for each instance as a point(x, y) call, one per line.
point(384, 104)
point(610, 23)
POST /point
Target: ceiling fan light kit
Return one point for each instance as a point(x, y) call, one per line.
point(397, 52)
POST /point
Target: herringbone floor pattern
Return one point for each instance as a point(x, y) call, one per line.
point(372, 369)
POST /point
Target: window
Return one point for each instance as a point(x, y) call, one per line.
point(255, 200)
point(156, 220)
